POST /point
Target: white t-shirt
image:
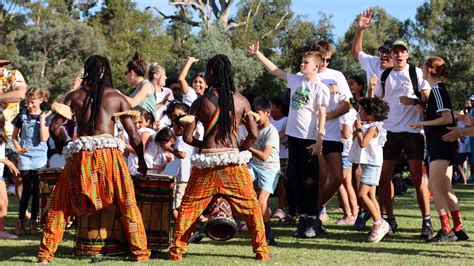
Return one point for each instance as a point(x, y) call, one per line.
point(189, 97)
point(305, 97)
point(371, 65)
point(334, 77)
point(348, 119)
point(160, 96)
point(398, 84)
point(185, 168)
point(268, 137)
point(149, 154)
point(280, 126)
point(373, 153)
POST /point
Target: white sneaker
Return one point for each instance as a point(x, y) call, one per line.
point(7, 235)
point(280, 214)
point(379, 231)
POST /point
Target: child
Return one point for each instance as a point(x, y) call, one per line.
point(3, 189)
point(265, 163)
point(165, 140)
point(367, 151)
point(29, 137)
point(438, 117)
point(144, 124)
point(305, 130)
point(182, 151)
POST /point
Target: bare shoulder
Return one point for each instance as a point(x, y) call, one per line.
point(240, 102)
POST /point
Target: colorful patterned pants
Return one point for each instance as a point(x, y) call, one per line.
point(235, 183)
point(90, 181)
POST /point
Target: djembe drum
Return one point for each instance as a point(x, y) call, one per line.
point(221, 225)
point(154, 195)
point(101, 232)
point(48, 179)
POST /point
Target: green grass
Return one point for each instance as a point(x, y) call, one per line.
point(343, 246)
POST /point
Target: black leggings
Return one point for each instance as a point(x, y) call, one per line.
point(30, 189)
point(303, 177)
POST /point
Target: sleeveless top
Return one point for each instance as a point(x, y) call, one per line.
point(149, 102)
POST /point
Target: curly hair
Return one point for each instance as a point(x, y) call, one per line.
point(375, 106)
point(38, 93)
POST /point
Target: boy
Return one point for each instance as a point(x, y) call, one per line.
point(265, 163)
point(305, 129)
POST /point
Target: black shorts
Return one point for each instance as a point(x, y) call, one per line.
point(461, 157)
point(330, 146)
point(439, 149)
point(412, 144)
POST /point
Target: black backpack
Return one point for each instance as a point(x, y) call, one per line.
point(413, 78)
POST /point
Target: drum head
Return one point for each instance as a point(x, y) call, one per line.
point(220, 228)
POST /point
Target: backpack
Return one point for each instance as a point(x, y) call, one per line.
point(413, 79)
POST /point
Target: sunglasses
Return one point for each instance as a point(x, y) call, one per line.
point(326, 60)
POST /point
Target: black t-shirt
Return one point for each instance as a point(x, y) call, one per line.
point(438, 101)
point(18, 121)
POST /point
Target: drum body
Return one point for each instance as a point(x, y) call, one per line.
point(48, 179)
point(221, 225)
point(154, 195)
point(101, 232)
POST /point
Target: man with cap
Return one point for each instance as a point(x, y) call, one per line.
point(12, 92)
point(405, 108)
point(373, 65)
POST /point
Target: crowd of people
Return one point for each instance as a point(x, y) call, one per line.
point(330, 137)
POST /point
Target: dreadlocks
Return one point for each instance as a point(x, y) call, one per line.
point(97, 75)
point(221, 77)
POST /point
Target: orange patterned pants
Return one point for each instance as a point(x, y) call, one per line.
point(235, 183)
point(90, 181)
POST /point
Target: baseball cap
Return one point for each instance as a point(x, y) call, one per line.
point(471, 97)
point(4, 62)
point(386, 45)
point(400, 42)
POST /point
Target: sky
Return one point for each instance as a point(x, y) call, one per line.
point(343, 11)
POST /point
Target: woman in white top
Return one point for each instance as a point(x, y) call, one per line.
point(199, 84)
point(163, 96)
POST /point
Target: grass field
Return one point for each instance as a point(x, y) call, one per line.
point(343, 245)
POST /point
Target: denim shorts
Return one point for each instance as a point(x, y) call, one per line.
point(370, 174)
point(265, 179)
point(346, 164)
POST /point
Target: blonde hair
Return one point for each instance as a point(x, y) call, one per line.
point(316, 56)
point(38, 93)
point(436, 68)
point(154, 68)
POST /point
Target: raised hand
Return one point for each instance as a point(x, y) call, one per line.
point(254, 48)
point(44, 115)
point(192, 59)
point(365, 19)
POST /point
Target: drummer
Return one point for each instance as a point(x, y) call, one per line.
point(220, 166)
point(97, 151)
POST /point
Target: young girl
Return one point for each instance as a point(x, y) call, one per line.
point(29, 137)
point(3, 189)
point(144, 124)
point(199, 85)
point(367, 151)
point(165, 139)
point(441, 154)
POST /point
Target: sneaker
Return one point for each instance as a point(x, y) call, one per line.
point(271, 242)
point(312, 227)
point(461, 235)
point(20, 228)
point(379, 231)
point(427, 230)
point(7, 235)
point(347, 220)
point(442, 236)
point(195, 237)
point(301, 227)
point(279, 214)
point(393, 225)
point(362, 217)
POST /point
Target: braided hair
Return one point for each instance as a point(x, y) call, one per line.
point(219, 76)
point(97, 75)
